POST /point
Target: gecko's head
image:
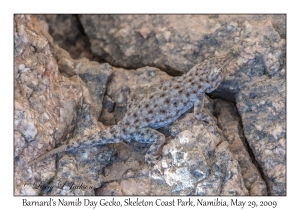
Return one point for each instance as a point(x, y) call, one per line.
point(216, 68)
point(218, 65)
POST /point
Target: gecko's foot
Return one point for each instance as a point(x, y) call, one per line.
point(149, 135)
point(154, 153)
point(205, 117)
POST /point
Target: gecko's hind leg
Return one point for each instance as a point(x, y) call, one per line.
point(149, 135)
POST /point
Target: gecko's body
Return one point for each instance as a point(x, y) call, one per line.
point(158, 109)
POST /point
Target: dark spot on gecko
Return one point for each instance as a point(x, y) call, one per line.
point(187, 94)
point(134, 115)
point(163, 95)
point(152, 96)
point(175, 104)
point(155, 105)
point(162, 111)
point(147, 120)
point(190, 80)
point(203, 73)
point(146, 105)
point(167, 100)
point(136, 121)
point(177, 87)
point(180, 91)
point(150, 111)
point(192, 83)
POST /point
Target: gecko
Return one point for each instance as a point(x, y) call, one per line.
point(157, 110)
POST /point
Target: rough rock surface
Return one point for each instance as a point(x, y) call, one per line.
point(175, 43)
point(49, 107)
point(67, 33)
point(262, 108)
point(197, 161)
point(58, 97)
point(230, 123)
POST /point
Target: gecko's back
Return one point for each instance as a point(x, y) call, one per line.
point(175, 97)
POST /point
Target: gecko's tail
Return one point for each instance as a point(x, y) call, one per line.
point(52, 152)
point(107, 136)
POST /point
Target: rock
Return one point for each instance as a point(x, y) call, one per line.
point(175, 43)
point(39, 102)
point(197, 160)
point(112, 188)
point(279, 23)
point(49, 107)
point(230, 123)
point(94, 75)
point(68, 34)
point(78, 172)
point(262, 108)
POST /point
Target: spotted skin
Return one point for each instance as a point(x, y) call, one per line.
point(159, 109)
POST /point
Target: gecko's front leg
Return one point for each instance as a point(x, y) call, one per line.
point(201, 113)
point(204, 115)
